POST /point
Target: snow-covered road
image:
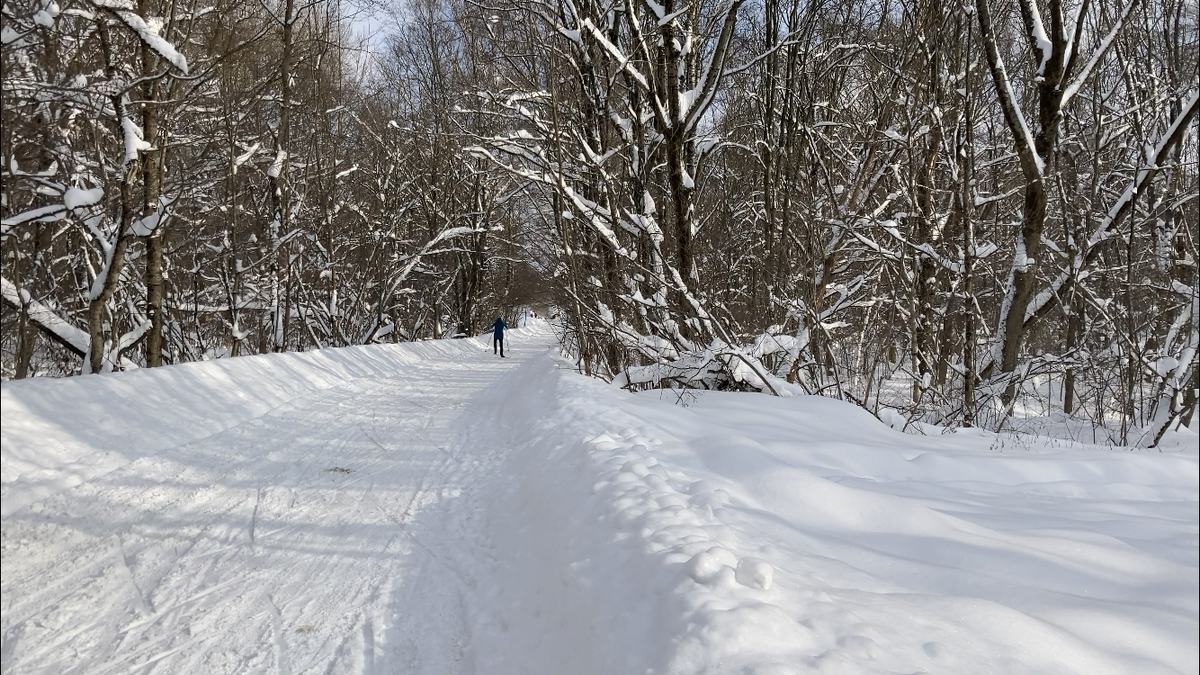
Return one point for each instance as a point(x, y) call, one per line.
point(430, 508)
point(286, 544)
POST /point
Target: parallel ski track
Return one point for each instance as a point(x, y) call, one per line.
point(280, 545)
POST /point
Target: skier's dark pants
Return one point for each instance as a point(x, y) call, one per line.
point(498, 342)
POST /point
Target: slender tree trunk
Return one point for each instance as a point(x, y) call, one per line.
point(1073, 326)
point(279, 186)
point(26, 340)
point(966, 154)
point(1074, 314)
point(25, 277)
point(105, 284)
point(151, 190)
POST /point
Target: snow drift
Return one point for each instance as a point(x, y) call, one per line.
point(753, 534)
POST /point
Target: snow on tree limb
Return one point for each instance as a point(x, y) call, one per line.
point(1120, 209)
point(149, 224)
point(132, 135)
point(623, 61)
point(1037, 34)
point(1155, 158)
point(73, 198)
point(54, 326)
point(45, 213)
point(1031, 162)
point(126, 11)
point(1080, 79)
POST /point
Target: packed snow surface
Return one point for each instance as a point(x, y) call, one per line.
point(432, 508)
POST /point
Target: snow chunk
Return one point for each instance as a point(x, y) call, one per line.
point(572, 35)
point(1165, 365)
point(711, 567)
point(148, 225)
point(244, 157)
point(277, 165)
point(77, 198)
point(754, 573)
point(687, 99)
point(134, 142)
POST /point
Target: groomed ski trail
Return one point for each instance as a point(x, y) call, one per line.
point(288, 543)
point(430, 508)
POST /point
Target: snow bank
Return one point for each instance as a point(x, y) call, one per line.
point(58, 433)
point(753, 534)
point(581, 529)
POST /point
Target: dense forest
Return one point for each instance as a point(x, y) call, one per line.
point(964, 212)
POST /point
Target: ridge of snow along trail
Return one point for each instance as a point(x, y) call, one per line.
point(431, 508)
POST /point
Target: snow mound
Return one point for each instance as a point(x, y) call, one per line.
point(752, 534)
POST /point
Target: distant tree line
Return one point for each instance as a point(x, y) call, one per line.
point(185, 180)
point(963, 211)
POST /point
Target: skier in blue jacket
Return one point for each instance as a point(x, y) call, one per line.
point(498, 336)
